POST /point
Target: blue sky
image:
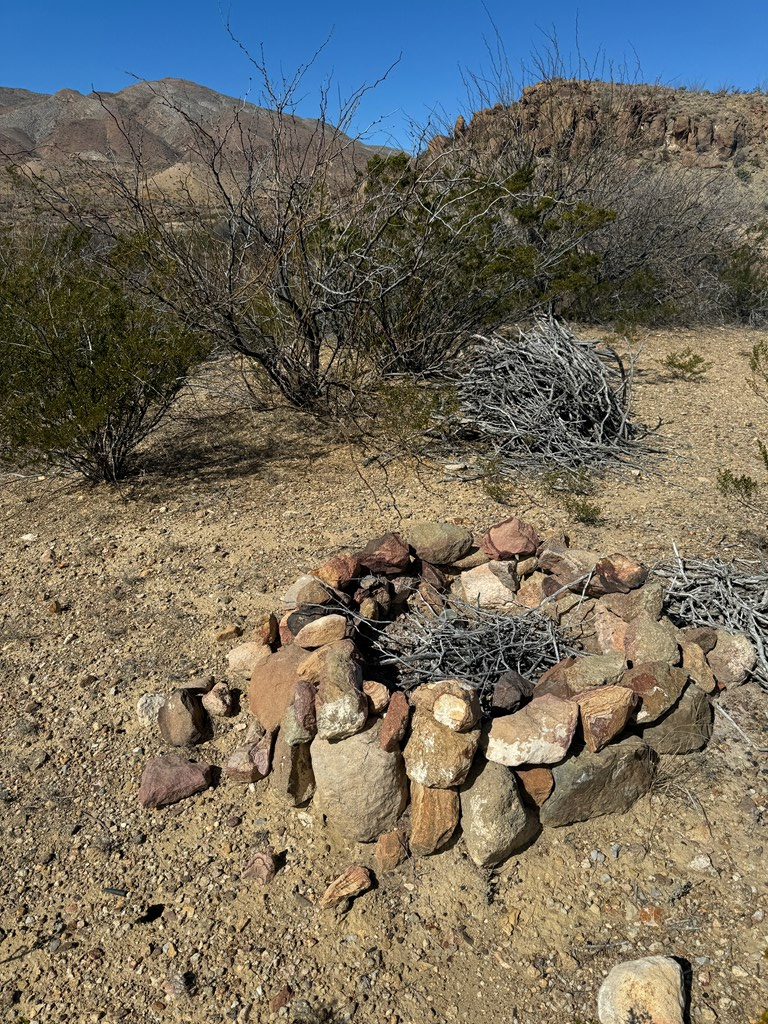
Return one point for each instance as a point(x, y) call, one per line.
point(46, 45)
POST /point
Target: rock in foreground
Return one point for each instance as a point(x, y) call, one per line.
point(168, 779)
point(648, 990)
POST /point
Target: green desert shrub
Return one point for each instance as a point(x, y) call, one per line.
point(87, 369)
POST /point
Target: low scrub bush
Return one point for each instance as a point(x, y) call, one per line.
point(87, 370)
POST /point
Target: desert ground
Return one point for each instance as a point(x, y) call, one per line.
point(109, 912)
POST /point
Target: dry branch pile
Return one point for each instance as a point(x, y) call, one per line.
point(546, 397)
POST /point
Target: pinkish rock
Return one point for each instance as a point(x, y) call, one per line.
point(244, 658)
point(183, 720)
point(304, 706)
point(391, 850)
point(251, 761)
point(168, 779)
point(492, 585)
point(732, 658)
point(535, 783)
point(387, 555)
point(395, 723)
point(262, 867)
point(218, 701)
point(658, 685)
point(325, 630)
point(434, 818)
point(530, 593)
point(510, 538)
point(540, 733)
point(604, 714)
point(272, 685)
point(436, 755)
point(610, 630)
point(354, 881)
point(617, 574)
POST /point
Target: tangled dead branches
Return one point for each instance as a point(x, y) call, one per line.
point(546, 398)
point(731, 595)
point(469, 643)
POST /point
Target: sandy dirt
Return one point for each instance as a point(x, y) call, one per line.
point(110, 913)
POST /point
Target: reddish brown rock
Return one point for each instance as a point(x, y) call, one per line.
point(658, 685)
point(272, 685)
point(183, 720)
point(395, 723)
point(432, 577)
point(510, 538)
point(339, 572)
point(387, 555)
point(564, 564)
point(540, 733)
point(617, 574)
point(434, 817)
point(510, 692)
point(262, 867)
point(704, 637)
point(354, 881)
point(555, 680)
point(325, 630)
point(604, 714)
point(168, 779)
point(304, 706)
point(251, 761)
point(391, 850)
point(536, 783)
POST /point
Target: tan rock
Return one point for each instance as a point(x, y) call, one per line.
point(604, 714)
point(266, 629)
point(436, 755)
point(354, 881)
point(732, 658)
point(646, 600)
point(525, 566)
point(314, 593)
point(459, 711)
point(647, 640)
point(539, 733)
point(242, 659)
point(492, 585)
point(341, 706)
point(272, 685)
point(183, 720)
point(378, 696)
point(495, 821)
point(651, 990)
point(686, 727)
point(434, 817)
point(325, 630)
point(339, 572)
point(535, 783)
point(391, 850)
point(617, 574)
point(229, 632)
point(696, 665)
point(530, 594)
point(292, 778)
point(218, 701)
point(474, 557)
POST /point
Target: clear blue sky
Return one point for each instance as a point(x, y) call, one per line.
point(46, 45)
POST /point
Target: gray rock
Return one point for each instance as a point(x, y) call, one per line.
point(648, 640)
point(438, 543)
point(148, 708)
point(292, 778)
point(732, 658)
point(494, 819)
point(650, 991)
point(686, 727)
point(360, 788)
point(608, 782)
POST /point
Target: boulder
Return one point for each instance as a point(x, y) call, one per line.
point(494, 819)
point(292, 778)
point(341, 705)
point(360, 788)
point(438, 543)
point(649, 640)
point(325, 630)
point(436, 755)
point(686, 727)
point(588, 785)
point(604, 713)
point(434, 817)
point(168, 779)
point(658, 685)
point(492, 585)
point(510, 538)
point(183, 720)
point(395, 723)
point(387, 555)
point(651, 990)
point(272, 685)
point(732, 658)
point(244, 658)
point(540, 733)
